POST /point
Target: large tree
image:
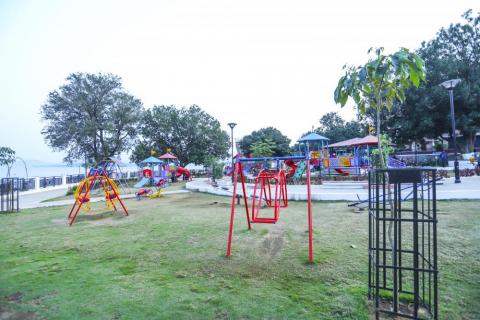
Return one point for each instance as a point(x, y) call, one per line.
point(455, 53)
point(192, 134)
point(425, 113)
point(91, 116)
point(264, 148)
point(334, 127)
point(281, 142)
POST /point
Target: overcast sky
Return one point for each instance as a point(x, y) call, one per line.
point(257, 63)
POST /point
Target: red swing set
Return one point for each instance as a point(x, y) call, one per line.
point(270, 185)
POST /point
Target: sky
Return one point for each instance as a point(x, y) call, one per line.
point(257, 63)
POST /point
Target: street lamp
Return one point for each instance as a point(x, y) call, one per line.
point(232, 125)
point(449, 85)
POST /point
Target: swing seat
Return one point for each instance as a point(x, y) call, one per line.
point(82, 200)
point(271, 187)
point(110, 196)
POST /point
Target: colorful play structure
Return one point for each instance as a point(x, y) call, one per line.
point(352, 156)
point(97, 177)
point(345, 158)
point(157, 173)
point(270, 186)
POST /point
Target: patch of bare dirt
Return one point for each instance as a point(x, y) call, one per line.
point(7, 314)
point(14, 297)
point(273, 243)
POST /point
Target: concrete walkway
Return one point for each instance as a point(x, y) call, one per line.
point(34, 200)
point(349, 191)
point(469, 188)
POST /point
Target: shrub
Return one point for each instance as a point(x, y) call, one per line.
point(71, 190)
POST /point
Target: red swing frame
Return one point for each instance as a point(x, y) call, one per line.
point(262, 181)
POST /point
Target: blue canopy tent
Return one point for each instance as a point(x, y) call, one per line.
point(150, 160)
point(311, 139)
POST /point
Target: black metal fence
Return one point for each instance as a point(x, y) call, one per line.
point(402, 243)
point(9, 200)
point(75, 178)
point(50, 181)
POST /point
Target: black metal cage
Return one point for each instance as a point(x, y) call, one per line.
point(402, 242)
point(9, 189)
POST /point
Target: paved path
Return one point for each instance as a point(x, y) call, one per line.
point(349, 191)
point(34, 200)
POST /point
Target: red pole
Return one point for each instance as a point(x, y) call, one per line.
point(277, 198)
point(116, 195)
point(232, 212)
point(310, 222)
point(84, 197)
point(242, 178)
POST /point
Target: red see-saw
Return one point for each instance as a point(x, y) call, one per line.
point(271, 187)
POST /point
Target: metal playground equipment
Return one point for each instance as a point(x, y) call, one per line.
point(270, 186)
point(83, 192)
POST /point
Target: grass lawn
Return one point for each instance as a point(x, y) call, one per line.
point(166, 260)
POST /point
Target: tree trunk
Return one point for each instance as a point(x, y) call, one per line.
point(379, 146)
point(469, 138)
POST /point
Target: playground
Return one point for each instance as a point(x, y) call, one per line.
point(167, 259)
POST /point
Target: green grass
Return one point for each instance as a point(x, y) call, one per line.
point(166, 260)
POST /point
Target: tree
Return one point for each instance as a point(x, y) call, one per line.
point(7, 158)
point(216, 167)
point(281, 142)
point(264, 148)
point(337, 129)
point(91, 116)
point(425, 113)
point(378, 83)
point(191, 134)
point(455, 53)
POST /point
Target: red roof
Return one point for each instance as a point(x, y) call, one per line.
point(345, 143)
point(368, 140)
point(167, 156)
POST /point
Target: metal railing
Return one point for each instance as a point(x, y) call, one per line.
point(50, 181)
point(75, 178)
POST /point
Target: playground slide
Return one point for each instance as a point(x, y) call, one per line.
point(302, 166)
point(342, 172)
point(183, 171)
point(142, 182)
point(293, 167)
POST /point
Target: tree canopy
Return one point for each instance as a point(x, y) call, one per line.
point(263, 148)
point(7, 156)
point(379, 83)
point(454, 53)
point(191, 134)
point(281, 142)
point(334, 127)
point(425, 113)
point(91, 116)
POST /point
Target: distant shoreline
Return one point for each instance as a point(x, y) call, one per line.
point(50, 170)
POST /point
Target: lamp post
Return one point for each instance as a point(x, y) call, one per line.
point(449, 85)
point(232, 125)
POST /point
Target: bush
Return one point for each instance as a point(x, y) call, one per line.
point(467, 172)
point(438, 147)
point(443, 174)
point(71, 190)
